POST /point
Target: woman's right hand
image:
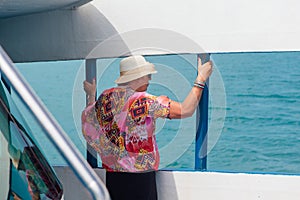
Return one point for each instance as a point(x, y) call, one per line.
point(90, 88)
point(204, 71)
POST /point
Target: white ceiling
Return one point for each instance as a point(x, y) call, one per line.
point(11, 8)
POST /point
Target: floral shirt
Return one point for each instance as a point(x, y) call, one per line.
point(120, 125)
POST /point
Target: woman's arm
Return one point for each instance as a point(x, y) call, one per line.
point(188, 106)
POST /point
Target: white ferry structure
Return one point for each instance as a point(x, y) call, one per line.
point(36, 30)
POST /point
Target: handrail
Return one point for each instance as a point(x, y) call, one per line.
point(202, 125)
point(55, 133)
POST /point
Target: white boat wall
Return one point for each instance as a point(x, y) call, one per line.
point(215, 25)
point(193, 185)
point(67, 30)
point(62, 34)
point(62, 31)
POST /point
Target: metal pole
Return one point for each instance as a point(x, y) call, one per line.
point(90, 74)
point(202, 125)
point(54, 132)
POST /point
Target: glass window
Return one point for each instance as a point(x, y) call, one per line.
point(261, 128)
point(22, 163)
point(253, 107)
point(175, 76)
point(54, 83)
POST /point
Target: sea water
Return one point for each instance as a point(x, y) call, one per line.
point(255, 107)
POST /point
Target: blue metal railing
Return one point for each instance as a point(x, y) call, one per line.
point(90, 74)
point(202, 125)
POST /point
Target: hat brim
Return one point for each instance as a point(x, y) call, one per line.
point(140, 72)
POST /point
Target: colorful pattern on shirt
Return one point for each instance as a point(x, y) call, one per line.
point(120, 125)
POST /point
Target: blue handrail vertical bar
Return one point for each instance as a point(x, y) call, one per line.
point(202, 125)
point(90, 74)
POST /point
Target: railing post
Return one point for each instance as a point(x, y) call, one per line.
point(90, 74)
point(202, 125)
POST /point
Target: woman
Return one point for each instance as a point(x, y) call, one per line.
point(120, 125)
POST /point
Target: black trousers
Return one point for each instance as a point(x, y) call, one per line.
point(131, 186)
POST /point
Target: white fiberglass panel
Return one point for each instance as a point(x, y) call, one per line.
point(216, 25)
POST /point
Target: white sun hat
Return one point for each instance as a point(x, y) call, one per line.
point(134, 67)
